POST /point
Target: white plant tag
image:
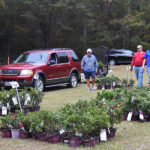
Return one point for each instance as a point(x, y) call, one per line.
point(114, 83)
point(141, 115)
point(62, 131)
point(4, 110)
point(27, 99)
point(129, 116)
point(14, 99)
point(82, 76)
point(103, 88)
point(8, 106)
point(78, 134)
point(14, 84)
point(103, 136)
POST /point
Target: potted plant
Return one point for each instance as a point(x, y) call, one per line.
point(5, 127)
point(114, 112)
point(37, 128)
point(91, 120)
point(15, 120)
point(25, 125)
point(51, 123)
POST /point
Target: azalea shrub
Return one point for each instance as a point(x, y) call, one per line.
point(29, 98)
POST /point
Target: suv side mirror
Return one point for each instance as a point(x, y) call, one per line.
point(52, 62)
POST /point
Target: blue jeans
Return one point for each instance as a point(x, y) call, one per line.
point(148, 71)
point(139, 75)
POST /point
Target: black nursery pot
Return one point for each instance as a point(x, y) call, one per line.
point(74, 142)
point(89, 143)
point(54, 138)
point(112, 133)
point(65, 138)
point(97, 140)
point(41, 137)
point(6, 133)
point(24, 135)
point(34, 135)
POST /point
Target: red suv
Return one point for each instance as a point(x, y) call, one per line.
point(43, 68)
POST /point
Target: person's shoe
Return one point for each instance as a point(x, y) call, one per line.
point(94, 88)
point(89, 89)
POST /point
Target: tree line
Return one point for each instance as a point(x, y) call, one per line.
point(76, 24)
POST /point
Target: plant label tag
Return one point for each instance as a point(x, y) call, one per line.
point(4, 110)
point(14, 84)
point(14, 99)
point(8, 106)
point(78, 134)
point(129, 116)
point(103, 88)
point(103, 136)
point(27, 99)
point(62, 131)
point(114, 83)
point(141, 115)
point(82, 76)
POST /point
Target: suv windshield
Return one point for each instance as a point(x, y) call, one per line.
point(32, 58)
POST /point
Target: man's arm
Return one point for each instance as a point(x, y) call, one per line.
point(144, 61)
point(83, 63)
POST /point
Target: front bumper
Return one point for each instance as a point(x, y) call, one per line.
point(5, 81)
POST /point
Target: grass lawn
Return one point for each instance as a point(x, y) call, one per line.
point(129, 136)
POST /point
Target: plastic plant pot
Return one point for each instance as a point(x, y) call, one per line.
point(89, 143)
point(6, 133)
point(24, 135)
point(74, 142)
point(54, 138)
point(15, 133)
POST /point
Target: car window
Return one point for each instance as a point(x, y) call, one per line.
point(53, 57)
point(74, 56)
point(32, 58)
point(62, 58)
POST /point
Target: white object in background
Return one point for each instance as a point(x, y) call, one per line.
point(82, 76)
point(103, 135)
point(14, 84)
point(114, 83)
point(110, 71)
point(127, 68)
point(129, 116)
point(8, 106)
point(4, 110)
point(62, 131)
point(27, 99)
point(141, 115)
point(14, 99)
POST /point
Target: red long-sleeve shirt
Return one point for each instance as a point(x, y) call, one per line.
point(138, 59)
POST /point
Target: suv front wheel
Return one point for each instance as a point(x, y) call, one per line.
point(39, 84)
point(73, 81)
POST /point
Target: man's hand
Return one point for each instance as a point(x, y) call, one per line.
point(131, 68)
point(143, 67)
point(96, 71)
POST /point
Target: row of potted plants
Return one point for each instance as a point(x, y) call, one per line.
point(108, 82)
point(29, 99)
point(76, 124)
point(135, 100)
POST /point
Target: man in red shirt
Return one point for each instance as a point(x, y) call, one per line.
point(137, 61)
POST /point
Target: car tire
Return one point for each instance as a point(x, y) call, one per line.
point(39, 84)
point(112, 62)
point(73, 81)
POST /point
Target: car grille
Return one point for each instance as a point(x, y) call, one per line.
point(10, 71)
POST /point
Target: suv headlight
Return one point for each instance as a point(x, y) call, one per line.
point(26, 72)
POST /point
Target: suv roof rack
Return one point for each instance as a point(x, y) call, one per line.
point(55, 49)
point(60, 49)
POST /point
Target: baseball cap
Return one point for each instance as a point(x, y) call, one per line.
point(89, 50)
point(139, 46)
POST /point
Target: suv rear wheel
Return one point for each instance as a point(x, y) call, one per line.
point(39, 84)
point(73, 81)
point(112, 62)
